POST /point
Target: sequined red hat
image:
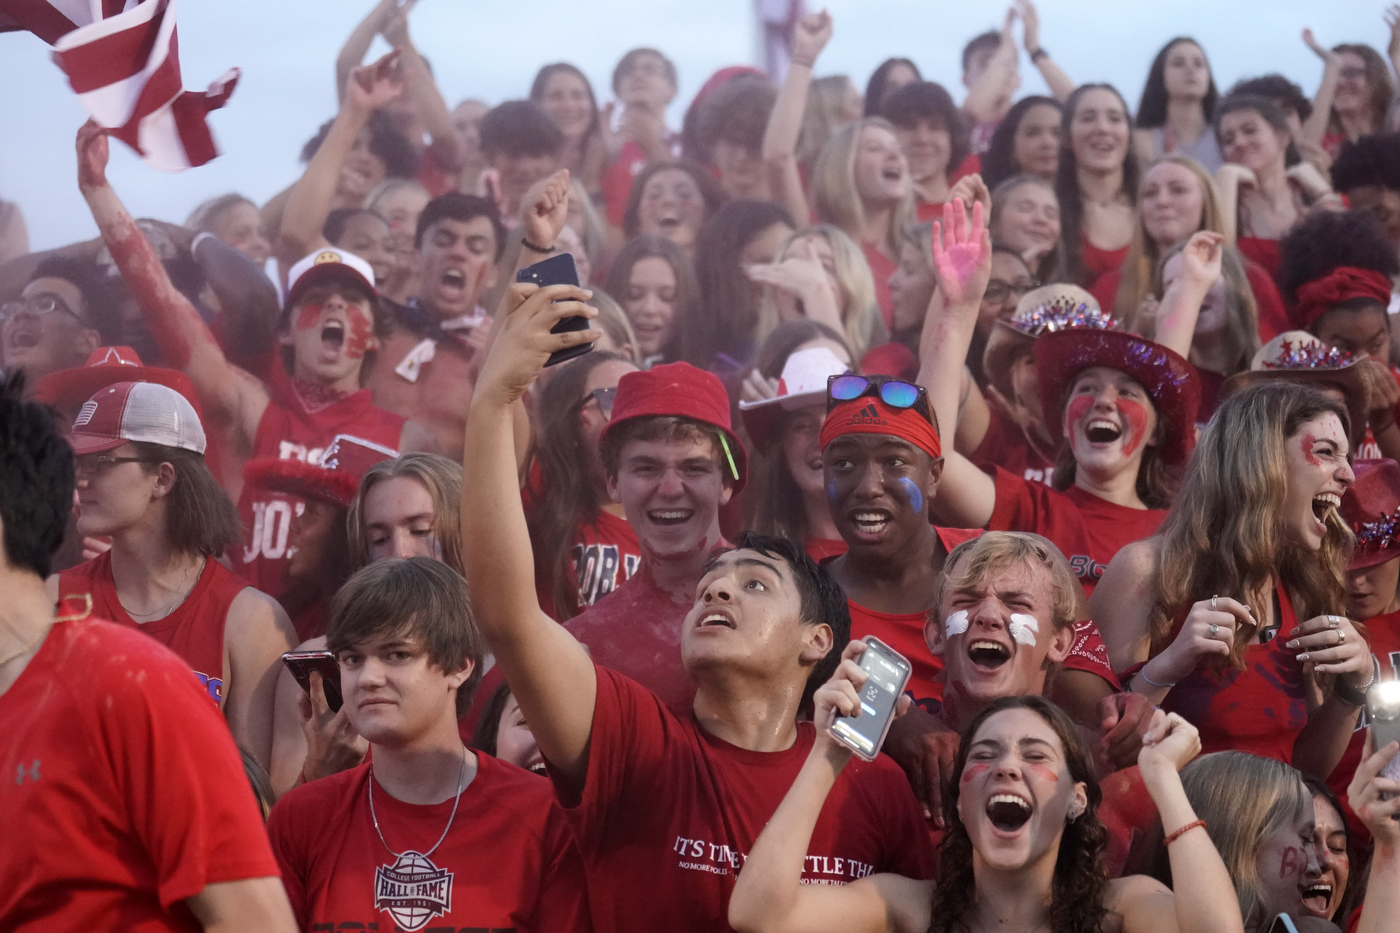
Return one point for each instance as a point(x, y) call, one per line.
point(334, 479)
point(1298, 356)
point(1371, 506)
point(1045, 310)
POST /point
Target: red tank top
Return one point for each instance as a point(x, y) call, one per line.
point(289, 431)
point(1260, 709)
point(194, 631)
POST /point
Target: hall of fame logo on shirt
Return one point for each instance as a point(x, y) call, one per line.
point(412, 890)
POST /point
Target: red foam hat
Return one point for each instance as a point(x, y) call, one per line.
point(1171, 382)
point(67, 389)
point(1371, 506)
point(336, 479)
point(682, 391)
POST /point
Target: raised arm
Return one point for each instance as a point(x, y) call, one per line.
point(1316, 125)
point(544, 211)
point(183, 337)
point(352, 53)
point(810, 36)
point(1392, 21)
point(423, 91)
point(248, 301)
point(368, 89)
point(966, 495)
point(986, 96)
point(1181, 304)
point(1380, 816)
point(1055, 78)
point(769, 895)
point(1205, 901)
point(549, 672)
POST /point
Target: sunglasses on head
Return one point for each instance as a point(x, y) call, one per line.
point(895, 393)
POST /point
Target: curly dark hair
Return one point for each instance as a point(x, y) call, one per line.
point(1371, 160)
point(36, 479)
point(927, 100)
point(391, 146)
point(879, 83)
point(999, 161)
point(100, 306)
point(1081, 877)
point(737, 113)
point(1277, 88)
point(1325, 240)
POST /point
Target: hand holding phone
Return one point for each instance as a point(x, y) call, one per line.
point(302, 663)
point(887, 672)
point(1383, 711)
point(558, 270)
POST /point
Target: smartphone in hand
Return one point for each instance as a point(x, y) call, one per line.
point(887, 674)
point(558, 270)
point(302, 663)
point(1383, 711)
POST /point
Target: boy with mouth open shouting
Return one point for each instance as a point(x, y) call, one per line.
point(327, 333)
point(665, 803)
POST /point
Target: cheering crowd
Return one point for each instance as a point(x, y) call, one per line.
point(522, 483)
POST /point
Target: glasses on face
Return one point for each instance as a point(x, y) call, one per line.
point(895, 393)
point(95, 464)
point(1352, 74)
point(604, 398)
point(998, 290)
point(37, 306)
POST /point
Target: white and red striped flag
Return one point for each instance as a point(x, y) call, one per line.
point(122, 58)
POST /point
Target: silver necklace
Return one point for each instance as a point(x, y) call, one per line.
point(461, 778)
point(168, 609)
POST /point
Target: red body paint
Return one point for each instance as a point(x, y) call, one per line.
point(1135, 413)
point(1078, 407)
point(1293, 862)
point(1308, 443)
point(169, 315)
point(973, 771)
point(308, 316)
point(1047, 773)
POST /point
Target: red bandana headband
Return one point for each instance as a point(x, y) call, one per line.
point(870, 415)
point(1341, 284)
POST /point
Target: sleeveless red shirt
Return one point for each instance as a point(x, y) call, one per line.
point(194, 631)
point(289, 431)
point(1260, 709)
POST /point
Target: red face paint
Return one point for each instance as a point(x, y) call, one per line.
point(1308, 443)
point(1077, 408)
point(1135, 413)
point(973, 771)
point(1049, 774)
point(308, 316)
point(1293, 862)
point(360, 333)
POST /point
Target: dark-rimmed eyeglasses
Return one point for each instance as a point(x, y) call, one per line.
point(895, 393)
point(998, 290)
point(94, 464)
point(37, 306)
point(604, 397)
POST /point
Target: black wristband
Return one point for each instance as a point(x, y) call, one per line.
point(1038, 54)
point(525, 242)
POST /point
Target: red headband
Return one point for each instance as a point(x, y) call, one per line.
point(870, 415)
point(1341, 284)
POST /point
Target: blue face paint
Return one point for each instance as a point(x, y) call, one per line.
point(913, 493)
point(831, 491)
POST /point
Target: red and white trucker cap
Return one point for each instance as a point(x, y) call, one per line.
point(328, 263)
point(136, 411)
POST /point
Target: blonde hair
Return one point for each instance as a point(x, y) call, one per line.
point(993, 553)
point(1140, 275)
point(441, 477)
point(862, 325)
point(612, 320)
point(203, 217)
point(822, 118)
point(1225, 532)
point(1243, 799)
point(834, 192)
point(387, 187)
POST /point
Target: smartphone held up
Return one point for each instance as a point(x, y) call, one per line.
point(887, 672)
point(1383, 711)
point(558, 270)
point(302, 663)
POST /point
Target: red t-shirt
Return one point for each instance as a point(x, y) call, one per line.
point(882, 267)
point(1005, 445)
point(667, 813)
point(1260, 709)
point(290, 431)
point(1089, 530)
point(508, 861)
point(194, 631)
point(820, 549)
point(1262, 251)
point(1383, 633)
point(1100, 262)
point(122, 791)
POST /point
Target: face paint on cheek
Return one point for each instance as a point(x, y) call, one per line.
point(913, 494)
point(308, 316)
point(360, 332)
point(1307, 444)
point(1136, 415)
point(1293, 862)
point(1077, 408)
point(972, 772)
point(831, 491)
point(955, 624)
point(1044, 771)
point(1023, 628)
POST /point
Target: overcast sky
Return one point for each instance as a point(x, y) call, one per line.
point(287, 50)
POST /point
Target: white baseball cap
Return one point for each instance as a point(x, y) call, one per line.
point(328, 263)
point(802, 383)
point(136, 411)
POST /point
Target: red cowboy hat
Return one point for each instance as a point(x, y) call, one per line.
point(67, 389)
point(679, 390)
point(335, 480)
point(1171, 382)
point(1371, 506)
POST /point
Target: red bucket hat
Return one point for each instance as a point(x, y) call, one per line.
point(67, 389)
point(680, 390)
point(1171, 382)
point(335, 480)
point(1371, 507)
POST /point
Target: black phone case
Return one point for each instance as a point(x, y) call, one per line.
point(301, 668)
point(558, 270)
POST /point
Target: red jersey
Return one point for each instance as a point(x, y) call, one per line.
point(123, 793)
point(1260, 709)
point(605, 556)
point(1100, 262)
point(667, 813)
point(293, 430)
point(1262, 251)
point(1005, 445)
point(1383, 634)
point(194, 630)
point(882, 267)
point(507, 862)
point(1089, 530)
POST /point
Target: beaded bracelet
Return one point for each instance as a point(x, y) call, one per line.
point(1185, 829)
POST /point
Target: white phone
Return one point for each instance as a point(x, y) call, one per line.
point(1383, 710)
point(887, 674)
